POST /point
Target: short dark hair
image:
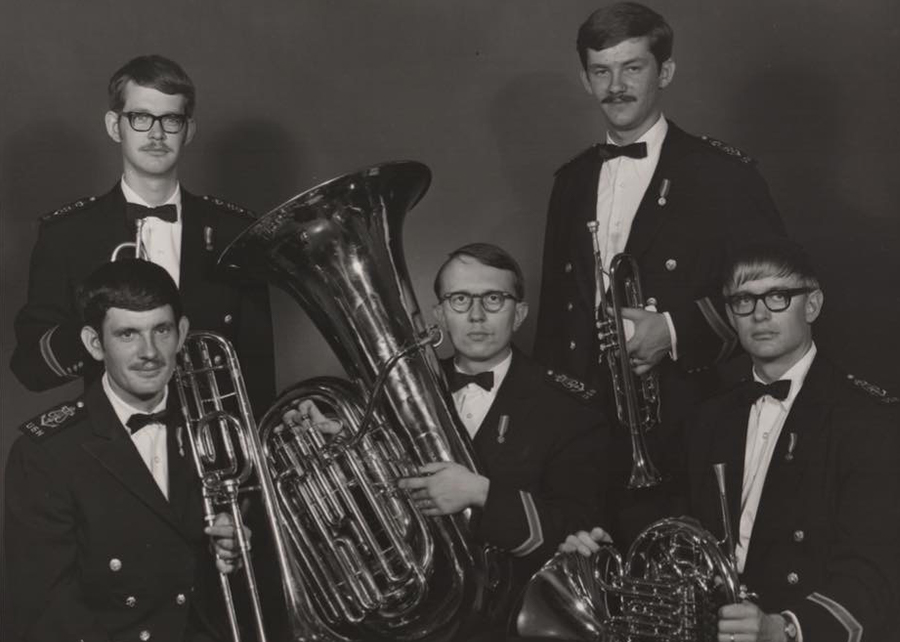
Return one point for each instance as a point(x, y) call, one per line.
point(130, 284)
point(490, 255)
point(615, 23)
point(774, 257)
point(155, 72)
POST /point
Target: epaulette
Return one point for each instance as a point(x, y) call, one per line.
point(231, 207)
point(583, 154)
point(571, 385)
point(68, 209)
point(728, 149)
point(51, 422)
point(878, 394)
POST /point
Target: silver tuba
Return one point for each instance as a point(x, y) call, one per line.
point(669, 587)
point(637, 397)
point(371, 566)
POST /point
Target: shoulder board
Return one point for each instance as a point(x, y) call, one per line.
point(570, 385)
point(871, 390)
point(68, 209)
point(51, 422)
point(231, 207)
point(581, 155)
point(728, 149)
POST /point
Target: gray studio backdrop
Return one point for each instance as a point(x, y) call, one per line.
point(487, 94)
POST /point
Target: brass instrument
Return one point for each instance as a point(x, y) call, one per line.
point(371, 566)
point(637, 397)
point(226, 450)
point(669, 587)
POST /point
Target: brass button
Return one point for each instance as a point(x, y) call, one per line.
point(115, 564)
point(569, 306)
point(228, 318)
point(671, 264)
point(180, 599)
point(571, 345)
point(568, 268)
point(793, 578)
point(144, 635)
point(799, 536)
point(130, 601)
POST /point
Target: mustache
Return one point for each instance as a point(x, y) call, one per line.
point(618, 98)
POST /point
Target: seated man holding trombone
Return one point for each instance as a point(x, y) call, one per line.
point(104, 521)
point(810, 486)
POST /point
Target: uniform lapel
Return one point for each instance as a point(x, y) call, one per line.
point(512, 401)
point(179, 468)
point(115, 451)
point(196, 259)
point(650, 213)
point(585, 210)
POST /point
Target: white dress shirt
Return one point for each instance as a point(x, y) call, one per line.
point(150, 440)
point(767, 417)
point(160, 240)
point(473, 402)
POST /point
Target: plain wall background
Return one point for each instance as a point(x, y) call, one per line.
point(487, 94)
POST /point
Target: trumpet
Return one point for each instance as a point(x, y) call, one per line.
point(637, 398)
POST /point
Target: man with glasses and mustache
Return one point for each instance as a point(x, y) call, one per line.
point(673, 201)
point(539, 438)
point(812, 458)
point(147, 215)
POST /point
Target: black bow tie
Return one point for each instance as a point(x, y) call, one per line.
point(139, 419)
point(459, 380)
point(753, 390)
point(134, 211)
point(607, 151)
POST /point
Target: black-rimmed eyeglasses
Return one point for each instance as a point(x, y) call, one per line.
point(141, 121)
point(744, 304)
point(492, 301)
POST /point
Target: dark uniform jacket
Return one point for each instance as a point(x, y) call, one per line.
point(826, 540)
point(547, 469)
point(94, 551)
point(78, 238)
point(702, 198)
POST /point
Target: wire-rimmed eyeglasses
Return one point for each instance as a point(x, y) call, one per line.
point(779, 300)
point(141, 121)
point(491, 301)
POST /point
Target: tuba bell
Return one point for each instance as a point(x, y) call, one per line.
point(371, 566)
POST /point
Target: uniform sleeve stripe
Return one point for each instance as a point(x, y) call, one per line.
point(49, 357)
point(718, 325)
point(535, 534)
point(841, 614)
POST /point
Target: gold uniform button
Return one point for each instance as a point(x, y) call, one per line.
point(180, 599)
point(671, 264)
point(569, 306)
point(568, 268)
point(130, 601)
point(793, 578)
point(144, 635)
point(115, 565)
point(228, 318)
point(799, 536)
point(571, 345)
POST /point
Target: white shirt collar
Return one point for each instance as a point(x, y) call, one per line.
point(796, 374)
point(653, 137)
point(133, 197)
point(122, 408)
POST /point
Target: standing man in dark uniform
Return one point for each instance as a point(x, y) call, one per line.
point(812, 459)
point(540, 440)
point(673, 201)
point(104, 521)
point(149, 215)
